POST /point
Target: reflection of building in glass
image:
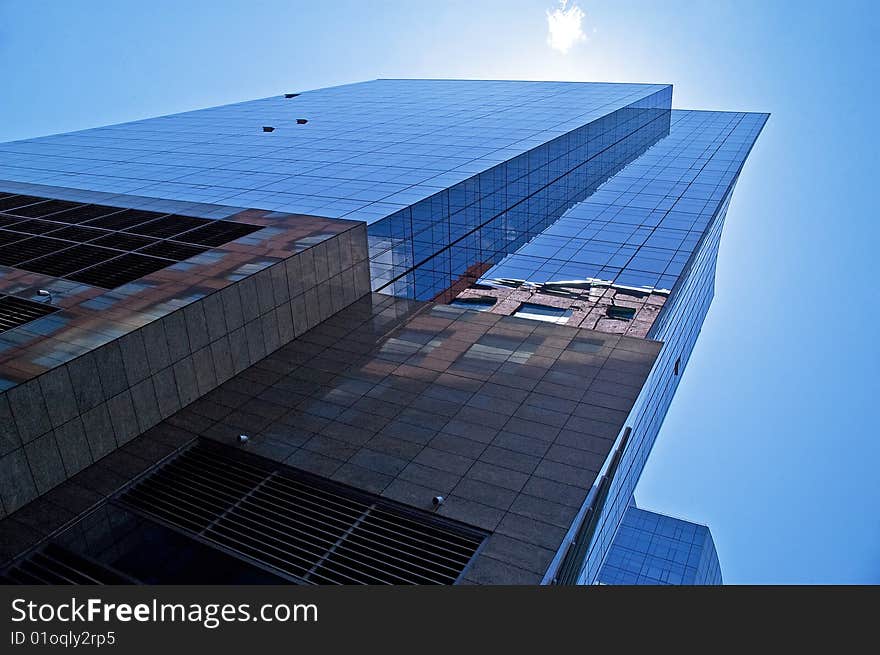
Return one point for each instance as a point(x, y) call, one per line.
point(654, 549)
point(471, 299)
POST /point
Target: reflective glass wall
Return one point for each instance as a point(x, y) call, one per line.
point(642, 227)
point(447, 173)
point(655, 549)
point(699, 163)
point(454, 236)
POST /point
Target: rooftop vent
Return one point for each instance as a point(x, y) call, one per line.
point(301, 121)
point(268, 128)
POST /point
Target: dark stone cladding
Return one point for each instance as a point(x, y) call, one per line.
point(508, 419)
point(197, 337)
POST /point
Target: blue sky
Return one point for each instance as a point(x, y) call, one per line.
point(771, 439)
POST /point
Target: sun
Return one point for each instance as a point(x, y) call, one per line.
point(564, 26)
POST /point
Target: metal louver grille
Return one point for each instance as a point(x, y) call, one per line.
point(18, 311)
point(305, 527)
point(56, 565)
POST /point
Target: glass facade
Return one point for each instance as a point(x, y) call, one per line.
point(367, 150)
point(451, 237)
point(449, 174)
point(461, 184)
point(641, 227)
point(697, 166)
point(655, 549)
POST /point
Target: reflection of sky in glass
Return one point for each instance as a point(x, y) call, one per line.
point(368, 149)
point(641, 226)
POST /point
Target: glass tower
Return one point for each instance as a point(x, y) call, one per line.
point(585, 208)
point(655, 549)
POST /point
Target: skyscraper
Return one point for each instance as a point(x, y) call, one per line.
point(655, 549)
point(457, 308)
